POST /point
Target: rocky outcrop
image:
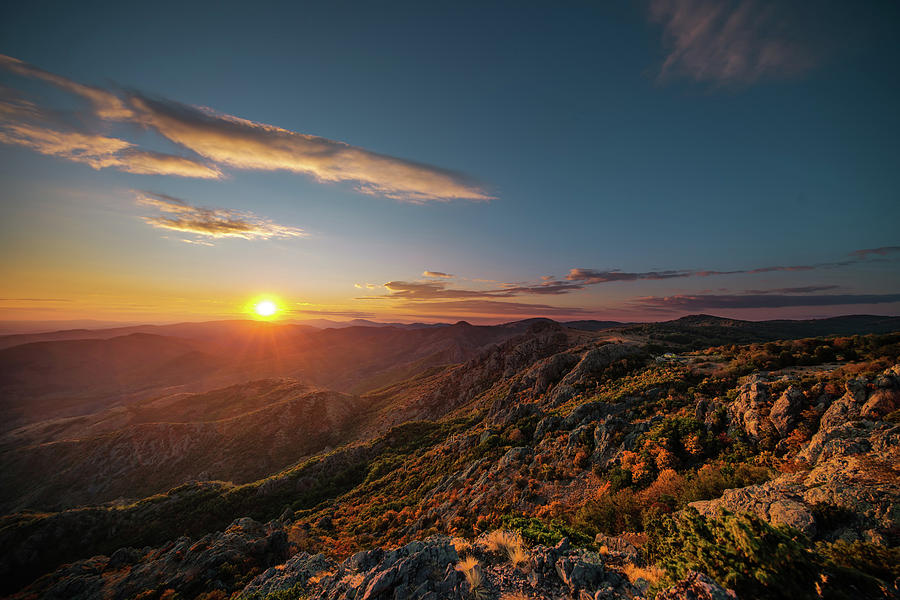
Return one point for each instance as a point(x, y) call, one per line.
point(746, 412)
point(786, 409)
point(186, 566)
point(432, 570)
point(853, 465)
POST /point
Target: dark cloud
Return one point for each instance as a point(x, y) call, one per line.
point(868, 252)
point(492, 307)
point(808, 289)
point(593, 276)
point(736, 301)
point(335, 313)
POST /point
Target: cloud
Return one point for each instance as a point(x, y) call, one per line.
point(437, 274)
point(733, 42)
point(432, 290)
point(737, 301)
point(211, 222)
point(883, 251)
point(335, 313)
point(593, 276)
point(106, 104)
point(244, 144)
point(21, 125)
point(808, 289)
point(492, 307)
point(229, 141)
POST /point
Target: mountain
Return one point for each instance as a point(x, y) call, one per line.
point(56, 378)
point(562, 462)
point(239, 434)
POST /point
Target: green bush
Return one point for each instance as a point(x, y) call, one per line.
point(741, 552)
point(547, 533)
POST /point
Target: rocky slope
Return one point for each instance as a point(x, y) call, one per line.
point(554, 435)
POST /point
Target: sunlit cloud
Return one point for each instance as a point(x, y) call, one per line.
point(211, 222)
point(437, 275)
point(100, 152)
point(736, 42)
point(244, 144)
point(230, 141)
point(106, 104)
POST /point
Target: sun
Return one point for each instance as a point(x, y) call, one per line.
point(265, 308)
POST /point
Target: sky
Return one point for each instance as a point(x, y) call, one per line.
point(410, 161)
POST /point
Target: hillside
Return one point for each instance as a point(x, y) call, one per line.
point(555, 433)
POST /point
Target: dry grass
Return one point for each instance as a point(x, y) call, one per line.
point(469, 568)
point(516, 596)
point(510, 543)
point(650, 574)
point(461, 545)
point(320, 576)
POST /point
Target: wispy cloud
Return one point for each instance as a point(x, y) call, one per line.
point(869, 252)
point(732, 42)
point(106, 104)
point(230, 141)
point(437, 275)
point(210, 222)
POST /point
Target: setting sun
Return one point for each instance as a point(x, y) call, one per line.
point(265, 309)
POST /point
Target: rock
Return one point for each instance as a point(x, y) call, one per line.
point(786, 409)
point(745, 412)
point(617, 545)
point(696, 586)
point(775, 503)
point(881, 403)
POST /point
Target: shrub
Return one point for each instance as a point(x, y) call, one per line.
point(742, 552)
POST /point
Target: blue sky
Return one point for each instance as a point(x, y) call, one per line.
point(561, 141)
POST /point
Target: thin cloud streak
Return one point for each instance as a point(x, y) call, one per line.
point(210, 222)
point(744, 301)
point(492, 307)
point(868, 252)
point(437, 275)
